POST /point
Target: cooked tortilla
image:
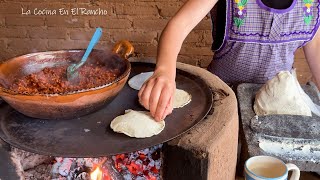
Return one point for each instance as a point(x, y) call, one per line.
point(181, 98)
point(138, 124)
point(137, 81)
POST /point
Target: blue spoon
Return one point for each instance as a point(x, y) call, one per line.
point(72, 69)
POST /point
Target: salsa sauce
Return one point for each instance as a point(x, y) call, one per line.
point(54, 80)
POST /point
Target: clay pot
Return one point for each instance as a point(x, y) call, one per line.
point(71, 104)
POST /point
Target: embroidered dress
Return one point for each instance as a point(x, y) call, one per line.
point(260, 41)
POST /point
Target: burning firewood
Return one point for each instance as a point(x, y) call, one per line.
point(140, 165)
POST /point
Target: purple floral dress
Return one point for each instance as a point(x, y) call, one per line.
point(260, 41)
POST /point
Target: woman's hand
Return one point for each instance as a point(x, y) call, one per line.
point(157, 94)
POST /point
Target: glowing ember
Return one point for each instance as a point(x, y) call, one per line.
point(140, 165)
point(96, 174)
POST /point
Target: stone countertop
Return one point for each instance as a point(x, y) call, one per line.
point(293, 139)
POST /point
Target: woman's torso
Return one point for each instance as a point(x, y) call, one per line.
point(258, 41)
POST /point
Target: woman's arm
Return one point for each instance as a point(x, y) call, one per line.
point(157, 93)
point(190, 14)
point(312, 53)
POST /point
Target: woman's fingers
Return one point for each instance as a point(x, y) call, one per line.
point(140, 93)
point(156, 95)
point(164, 102)
point(144, 94)
point(154, 98)
point(168, 109)
point(141, 90)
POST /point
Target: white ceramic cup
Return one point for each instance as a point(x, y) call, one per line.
point(269, 168)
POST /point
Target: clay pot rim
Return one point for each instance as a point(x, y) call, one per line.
point(122, 76)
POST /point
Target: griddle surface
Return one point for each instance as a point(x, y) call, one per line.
point(68, 138)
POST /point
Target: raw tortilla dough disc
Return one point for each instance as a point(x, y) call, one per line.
point(137, 81)
point(181, 97)
point(281, 95)
point(138, 124)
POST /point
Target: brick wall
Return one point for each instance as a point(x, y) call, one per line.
point(140, 21)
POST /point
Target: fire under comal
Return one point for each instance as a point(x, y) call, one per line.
point(139, 165)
